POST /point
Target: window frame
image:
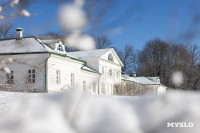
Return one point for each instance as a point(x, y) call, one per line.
point(102, 70)
point(58, 77)
point(110, 72)
point(94, 87)
point(110, 57)
point(84, 85)
point(72, 79)
point(31, 76)
point(102, 88)
point(60, 48)
point(10, 77)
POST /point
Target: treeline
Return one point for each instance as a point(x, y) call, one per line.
point(162, 59)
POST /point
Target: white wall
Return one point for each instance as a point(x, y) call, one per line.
point(106, 82)
point(20, 66)
point(91, 79)
point(66, 67)
point(92, 63)
point(161, 90)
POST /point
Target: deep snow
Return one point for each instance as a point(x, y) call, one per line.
point(75, 112)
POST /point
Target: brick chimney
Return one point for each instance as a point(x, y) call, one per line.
point(19, 33)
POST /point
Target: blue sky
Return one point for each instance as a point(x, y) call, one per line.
point(165, 19)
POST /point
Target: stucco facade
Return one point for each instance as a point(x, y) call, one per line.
point(20, 66)
point(109, 68)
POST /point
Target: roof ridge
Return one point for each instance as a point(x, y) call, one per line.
point(90, 50)
point(16, 38)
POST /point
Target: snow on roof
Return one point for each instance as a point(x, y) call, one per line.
point(154, 79)
point(140, 80)
point(88, 69)
point(50, 43)
point(89, 53)
point(21, 46)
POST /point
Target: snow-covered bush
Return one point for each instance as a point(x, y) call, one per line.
point(132, 89)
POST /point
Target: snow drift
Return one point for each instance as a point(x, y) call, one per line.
point(75, 112)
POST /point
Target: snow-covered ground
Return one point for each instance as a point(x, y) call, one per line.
point(75, 112)
point(9, 97)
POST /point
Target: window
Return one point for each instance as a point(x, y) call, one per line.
point(84, 85)
point(94, 87)
point(57, 76)
point(110, 57)
point(102, 88)
point(31, 76)
point(72, 79)
point(102, 70)
point(10, 77)
point(60, 48)
point(117, 74)
point(110, 72)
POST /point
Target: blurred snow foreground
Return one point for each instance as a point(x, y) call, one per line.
point(75, 112)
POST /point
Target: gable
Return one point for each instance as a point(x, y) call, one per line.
point(112, 54)
point(54, 44)
point(98, 54)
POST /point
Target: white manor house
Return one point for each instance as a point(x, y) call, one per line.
point(45, 66)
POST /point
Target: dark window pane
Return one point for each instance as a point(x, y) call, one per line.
point(33, 71)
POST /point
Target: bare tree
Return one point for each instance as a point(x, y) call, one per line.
point(128, 58)
point(132, 89)
point(159, 58)
point(5, 31)
point(102, 42)
point(50, 35)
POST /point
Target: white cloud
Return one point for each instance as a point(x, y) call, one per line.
point(25, 13)
point(79, 2)
point(72, 17)
point(115, 31)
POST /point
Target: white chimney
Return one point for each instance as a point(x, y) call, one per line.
point(133, 74)
point(19, 33)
